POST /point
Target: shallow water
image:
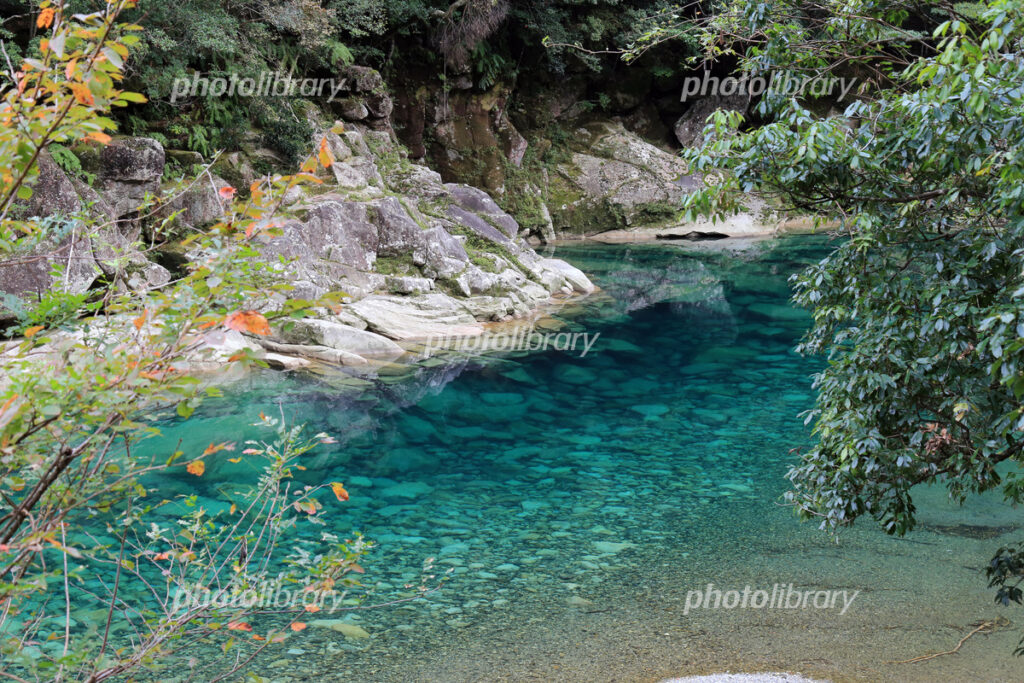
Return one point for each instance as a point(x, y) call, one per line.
point(577, 500)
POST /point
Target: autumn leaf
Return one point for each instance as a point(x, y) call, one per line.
point(298, 626)
point(325, 154)
point(233, 510)
point(141, 320)
point(162, 556)
point(218, 447)
point(211, 323)
point(45, 19)
point(82, 94)
point(248, 321)
point(307, 506)
point(8, 404)
point(69, 70)
point(31, 332)
point(238, 626)
point(257, 636)
point(312, 608)
point(339, 491)
point(226, 193)
point(197, 468)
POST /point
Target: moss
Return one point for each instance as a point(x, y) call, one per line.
point(397, 264)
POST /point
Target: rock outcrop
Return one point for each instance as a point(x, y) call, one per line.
point(394, 234)
point(412, 257)
point(79, 258)
point(615, 179)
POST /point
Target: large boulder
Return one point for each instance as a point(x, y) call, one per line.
point(198, 204)
point(130, 170)
point(82, 258)
point(615, 180)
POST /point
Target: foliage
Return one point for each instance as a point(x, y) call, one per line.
point(77, 397)
point(921, 308)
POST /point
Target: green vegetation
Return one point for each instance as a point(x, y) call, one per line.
point(77, 396)
point(921, 309)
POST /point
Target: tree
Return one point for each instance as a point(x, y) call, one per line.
point(76, 395)
point(920, 310)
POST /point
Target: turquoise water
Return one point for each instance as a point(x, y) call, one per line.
point(575, 500)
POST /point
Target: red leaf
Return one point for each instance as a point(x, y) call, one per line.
point(238, 626)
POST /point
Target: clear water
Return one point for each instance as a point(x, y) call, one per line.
point(578, 499)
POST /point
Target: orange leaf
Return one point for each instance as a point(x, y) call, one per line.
point(298, 626)
point(99, 137)
point(162, 556)
point(238, 626)
point(236, 357)
point(234, 460)
point(339, 490)
point(31, 332)
point(217, 447)
point(44, 45)
point(227, 193)
point(210, 323)
point(233, 510)
point(257, 636)
point(45, 18)
point(82, 93)
point(69, 70)
point(325, 154)
point(248, 321)
point(141, 320)
point(8, 404)
point(312, 608)
point(197, 468)
point(307, 506)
